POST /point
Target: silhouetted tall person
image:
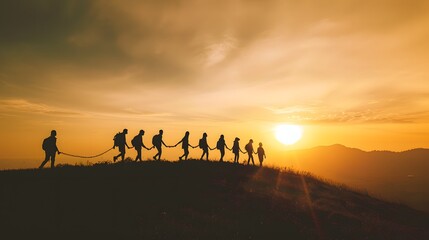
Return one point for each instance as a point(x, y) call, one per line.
point(204, 146)
point(157, 143)
point(185, 146)
point(236, 149)
point(261, 154)
point(120, 141)
point(137, 143)
point(221, 146)
point(250, 151)
point(50, 147)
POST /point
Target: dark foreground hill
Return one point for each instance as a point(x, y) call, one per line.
point(193, 200)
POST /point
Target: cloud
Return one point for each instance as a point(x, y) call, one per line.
point(306, 60)
point(24, 106)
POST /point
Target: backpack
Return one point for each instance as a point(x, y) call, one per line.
point(201, 143)
point(116, 140)
point(134, 142)
point(219, 144)
point(155, 140)
point(45, 144)
point(248, 147)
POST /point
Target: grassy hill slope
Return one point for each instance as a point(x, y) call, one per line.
point(194, 200)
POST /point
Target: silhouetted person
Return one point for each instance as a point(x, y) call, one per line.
point(185, 146)
point(236, 149)
point(204, 146)
point(120, 141)
point(137, 143)
point(50, 147)
point(261, 154)
point(157, 143)
point(221, 146)
point(250, 151)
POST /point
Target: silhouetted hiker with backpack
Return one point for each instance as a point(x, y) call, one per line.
point(236, 149)
point(137, 143)
point(157, 143)
point(49, 145)
point(185, 146)
point(204, 146)
point(120, 141)
point(221, 146)
point(261, 154)
point(250, 151)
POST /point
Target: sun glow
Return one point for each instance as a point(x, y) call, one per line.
point(288, 134)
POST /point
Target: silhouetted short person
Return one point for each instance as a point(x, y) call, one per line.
point(250, 151)
point(50, 147)
point(236, 149)
point(120, 141)
point(261, 154)
point(221, 146)
point(157, 143)
point(204, 146)
point(185, 146)
point(137, 143)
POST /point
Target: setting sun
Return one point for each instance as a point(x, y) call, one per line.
point(288, 134)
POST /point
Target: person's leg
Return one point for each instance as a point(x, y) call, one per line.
point(53, 160)
point(249, 155)
point(45, 161)
point(222, 153)
point(186, 153)
point(160, 153)
point(207, 154)
point(139, 154)
point(122, 153)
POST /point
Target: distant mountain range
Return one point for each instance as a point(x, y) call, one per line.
point(397, 176)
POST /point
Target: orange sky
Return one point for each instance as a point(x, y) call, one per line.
point(349, 72)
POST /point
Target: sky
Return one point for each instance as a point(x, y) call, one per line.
point(348, 72)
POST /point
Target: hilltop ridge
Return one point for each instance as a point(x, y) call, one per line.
point(194, 200)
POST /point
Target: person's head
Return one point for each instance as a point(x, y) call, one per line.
point(125, 131)
point(204, 135)
point(141, 132)
point(221, 136)
point(161, 132)
point(237, 139)
point(251, 141)
point(53, 133)
point(187, 133)
point(260, 144)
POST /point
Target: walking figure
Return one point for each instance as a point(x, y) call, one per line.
point(204, 146)
point(49, 145)
point(157, 143)
point(120, 141)
point(236, 149)
point(137, 143)
point(261, 154)
point(250, 151)
point(185, 146)
point(221, 146)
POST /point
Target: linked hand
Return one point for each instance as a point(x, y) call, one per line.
point(59, 152)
